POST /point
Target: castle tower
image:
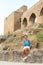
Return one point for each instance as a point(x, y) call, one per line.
point(13, 21)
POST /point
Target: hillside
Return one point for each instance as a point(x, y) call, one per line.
point(15, 41)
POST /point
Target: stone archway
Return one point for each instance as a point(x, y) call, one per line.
point(41, 12)
point(32, 19)
point(41, 16)
point(25, 22)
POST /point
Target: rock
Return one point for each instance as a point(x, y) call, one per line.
point(5, 48)
point(33, 44)
point(35, 56)
point(36, 25)
point(1, 47)
point(41, 25)
point(2, 39)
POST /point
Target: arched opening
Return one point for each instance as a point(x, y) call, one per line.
point(25, 22)
point(41, 16)
point(20, 20)
point(32, 18)
point(41, 13)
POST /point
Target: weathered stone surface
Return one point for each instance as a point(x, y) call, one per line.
point(35, 56)
point(31, 16)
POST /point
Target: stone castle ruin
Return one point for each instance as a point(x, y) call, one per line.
point(13, 21)
point(18, 22)
point(24, 17)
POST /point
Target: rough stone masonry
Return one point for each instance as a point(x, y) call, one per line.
point(24, 17)
point(35, 56)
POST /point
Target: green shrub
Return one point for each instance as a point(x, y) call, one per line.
point(39, 36)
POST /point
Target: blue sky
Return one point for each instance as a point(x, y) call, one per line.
point(8, 6)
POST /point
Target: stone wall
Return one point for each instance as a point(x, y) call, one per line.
point(16, 19)
point(9, 24)
point(34, 14)
point(35, 56)
point(13, 21)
